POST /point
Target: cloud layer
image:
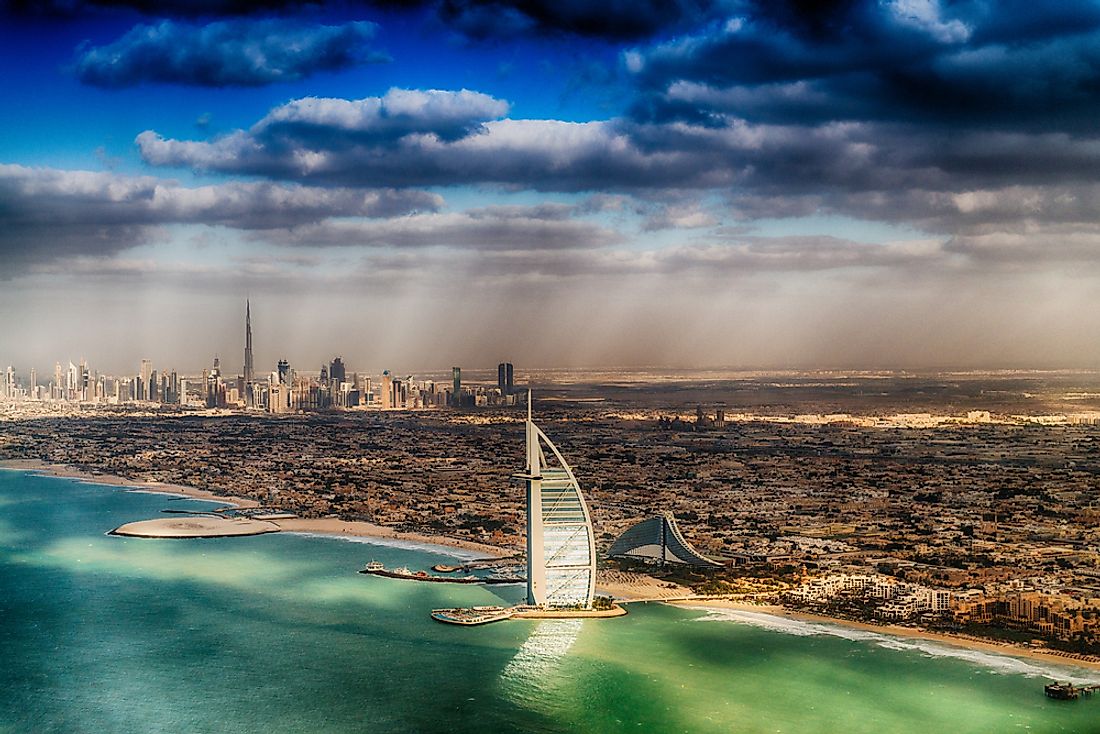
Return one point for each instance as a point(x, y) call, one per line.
point(886, 170)
point(226, 53)
point(50, 213)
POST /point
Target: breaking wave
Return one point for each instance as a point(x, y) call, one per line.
point(998, 663)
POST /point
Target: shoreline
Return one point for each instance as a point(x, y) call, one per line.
point(324, 526)
point(1005, 649)
point(66, 471)
point(335, 527)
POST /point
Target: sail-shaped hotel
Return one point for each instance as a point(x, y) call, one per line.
point(561, 550)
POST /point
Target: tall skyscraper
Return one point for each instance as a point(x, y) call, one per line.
point(71, 383)
point(456, 390)
point(247, 342)
point(387, 391)
point(337, 372)
point(561, 551)
point(504, 378)
point(145, 390)
point(284, 372)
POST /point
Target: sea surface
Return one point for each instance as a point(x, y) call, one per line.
point(279, 633)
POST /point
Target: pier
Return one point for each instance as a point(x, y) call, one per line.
point(1068, 691)
point(377, 569)
point(470, 616)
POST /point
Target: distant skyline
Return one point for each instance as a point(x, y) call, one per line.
point(889, 184)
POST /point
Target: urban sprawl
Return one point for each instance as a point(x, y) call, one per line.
point(978, 519)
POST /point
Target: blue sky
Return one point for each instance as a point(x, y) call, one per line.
point(888, 183)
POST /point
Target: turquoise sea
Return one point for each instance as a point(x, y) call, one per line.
point(278, 633)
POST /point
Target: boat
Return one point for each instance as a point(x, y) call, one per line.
point(373, 567)
point(497, 578)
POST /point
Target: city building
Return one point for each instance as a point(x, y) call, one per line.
point(505, 378)
point(658, 540)
point(561, 551)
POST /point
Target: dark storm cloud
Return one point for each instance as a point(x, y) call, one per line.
point(620, 155)
point(903, 60)
point(49, 213)
point(178, 8)
point(614, 20)
point(540, 154)
point(226, 53)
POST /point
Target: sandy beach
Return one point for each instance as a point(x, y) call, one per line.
point(893, 630)
point(358, 528)
point(69, 472)
point(324, 525)
point(629, 586)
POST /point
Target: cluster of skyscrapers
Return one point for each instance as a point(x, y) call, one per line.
point(283, 390)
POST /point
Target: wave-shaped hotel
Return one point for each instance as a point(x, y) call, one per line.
point(659, 540)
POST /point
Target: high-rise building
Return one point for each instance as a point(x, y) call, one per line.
point(248, 367)
point(504, 378)
point(561, 550)
point(456, 390)
point(71, 383)
point(284, 372)
point(145, 391)
point(387, 391)
point(337, 372)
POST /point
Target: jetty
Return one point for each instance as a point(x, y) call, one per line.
point(469, 616)
point(377, 569)
point(1068, 691)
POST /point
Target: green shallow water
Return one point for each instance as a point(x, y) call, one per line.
point(278, 633)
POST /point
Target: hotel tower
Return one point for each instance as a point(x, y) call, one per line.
point(561, 552)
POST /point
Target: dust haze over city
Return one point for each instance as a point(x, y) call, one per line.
point(860, 185)
point(582, 321)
